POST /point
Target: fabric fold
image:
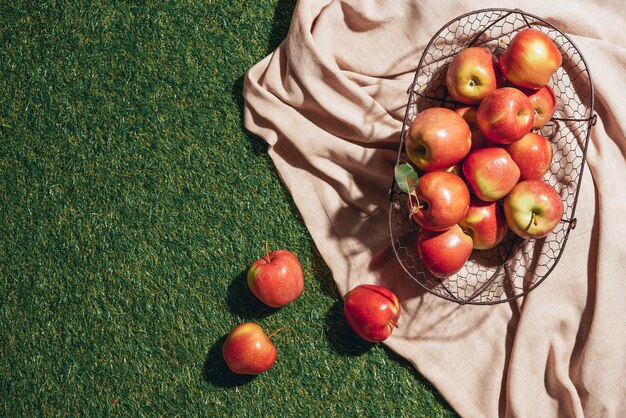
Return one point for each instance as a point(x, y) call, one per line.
point(330, 103)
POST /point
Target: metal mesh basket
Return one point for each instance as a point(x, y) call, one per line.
point(516, 266)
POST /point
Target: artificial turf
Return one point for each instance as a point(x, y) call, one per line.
point(132, 201)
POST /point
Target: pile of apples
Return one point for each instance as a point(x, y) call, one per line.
point(481, 168)
point(482, 165)
point(277, 279)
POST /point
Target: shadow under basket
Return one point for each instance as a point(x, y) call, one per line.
point(516, 266)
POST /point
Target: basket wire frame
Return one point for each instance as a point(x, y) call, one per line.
point(516, 266)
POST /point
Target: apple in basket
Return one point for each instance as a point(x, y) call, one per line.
point(530, 59)
point(372, 311)
point(533, 209)
point(444, 253)
point(247, 350)
point(276, 278)
point(472, 74)
point(543, 101)
point(485, 223)
point(505, 115)
point(437, 139)
point(491, 173)
point(478, 139)
point(442, 200)
point(532, 154)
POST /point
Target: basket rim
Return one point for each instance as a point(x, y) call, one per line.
point(585, 143)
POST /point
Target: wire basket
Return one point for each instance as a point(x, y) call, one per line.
point(516, 266)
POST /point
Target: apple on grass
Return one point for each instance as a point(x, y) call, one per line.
point(437, 139)
point(484, 222)
point(472, 74)
point(247, 350)
point(530, 59)
point(372, 311)
point(276, 278)
point(505, 115)
point(544, 104)
point(442, 200)
point(532, 154)
point(533, 209)
point(444, 253)
point(491, 173)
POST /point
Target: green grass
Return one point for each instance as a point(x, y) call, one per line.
point(132, 201)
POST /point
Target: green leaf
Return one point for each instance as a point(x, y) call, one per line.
point(406, 177)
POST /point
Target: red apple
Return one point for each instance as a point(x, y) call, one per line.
point(505, 115)
point(247, 350)
point(533, 209)
point(276, 278)
point(443, 199)
point(544, 103)
point(372, 311)
point(437, 139)
point(484, 222)
point(478, 139)
point(444, 253)
point(491, 173)
point(530, 59)
point(472, 74)
point(532, 154)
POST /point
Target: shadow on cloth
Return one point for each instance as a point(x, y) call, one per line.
point(360, 180)
point(280, 27)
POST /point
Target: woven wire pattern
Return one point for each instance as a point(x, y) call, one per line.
point(516, 266)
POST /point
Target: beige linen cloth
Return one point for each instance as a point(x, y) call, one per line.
point(330, 103)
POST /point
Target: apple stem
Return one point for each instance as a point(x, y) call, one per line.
point(394, 324)
point(276, 332)
point(415, 207)
point(267, 252)
point(533, 220)
point(414, 210)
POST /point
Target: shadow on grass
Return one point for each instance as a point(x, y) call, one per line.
point(323, 275)
point(280, 23)
point(217, 373)
point(343, 340)
point(242, 302)
point(392, 355)
point(257, 145)
point(280, 27)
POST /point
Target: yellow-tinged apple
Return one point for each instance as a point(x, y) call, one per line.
point(472, 74)
point(485, 223)
point(505, 115)
point(247, 350)
point(530, 59)
point(544, 103)
point(533, 209)
point(491, 173)
point(532, 154)
point(437, 139)
point(478, 139)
